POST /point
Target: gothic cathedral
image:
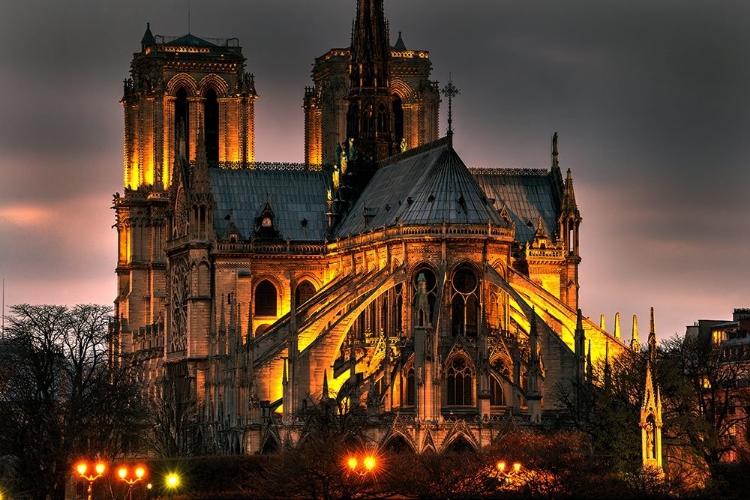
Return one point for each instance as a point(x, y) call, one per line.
point(382, 272)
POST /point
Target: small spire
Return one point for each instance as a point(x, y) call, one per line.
point(148, 37)
point(325, 396)
point(618, 335)
point(652, 339)
point(603, 322)
point(400, 43)
point(635, 343)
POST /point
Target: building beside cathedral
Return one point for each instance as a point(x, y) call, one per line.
point(383, 271)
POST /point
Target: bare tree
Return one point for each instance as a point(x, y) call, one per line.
point(59, 398)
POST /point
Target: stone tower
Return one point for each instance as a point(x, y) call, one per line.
point(182, 92)
point(395, 76)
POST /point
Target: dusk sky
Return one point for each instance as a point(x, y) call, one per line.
point(651, 101)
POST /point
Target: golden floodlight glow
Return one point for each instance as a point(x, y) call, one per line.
point(501, 466)
point(173, 480)
point(369, 462)
point(352, 462)
point(517, 467)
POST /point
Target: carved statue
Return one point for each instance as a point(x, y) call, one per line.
point(403, 145)
point(344, 163)
point(650, 453)
point(336, 178)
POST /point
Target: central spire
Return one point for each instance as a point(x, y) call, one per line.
point(370, 46)
point(370, 116)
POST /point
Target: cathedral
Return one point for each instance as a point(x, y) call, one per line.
point(383, 272)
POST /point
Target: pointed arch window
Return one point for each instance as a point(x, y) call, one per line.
point(265, 299)
point(398, 119)
point(497, 396)
point(211, 126)
point(465, 303)
point(408, 387)
point(304, 292)
point(460, 383)
point(182, 119)
point(382, 119)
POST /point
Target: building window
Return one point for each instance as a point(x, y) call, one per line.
point(304, 292)
point(465, 303)
point(265, 299)
point(211, 127)
point(181, 120)
point(408, 388)
point(497, 396)
point(460, 382)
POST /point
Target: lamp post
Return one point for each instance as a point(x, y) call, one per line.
point(83, 470)
point(124, 474)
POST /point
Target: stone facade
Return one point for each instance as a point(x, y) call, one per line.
point(442, 299)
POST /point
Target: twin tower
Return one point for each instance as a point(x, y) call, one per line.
point(377, 94)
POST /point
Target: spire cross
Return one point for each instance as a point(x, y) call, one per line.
point(450, 91)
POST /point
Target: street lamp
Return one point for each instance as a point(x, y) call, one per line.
point(361, 465)
point(89, 475)
point(507, 476)
point(123, 473)
point(172, 481)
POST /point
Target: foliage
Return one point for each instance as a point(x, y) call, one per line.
point(60, 398)
point(703, 388)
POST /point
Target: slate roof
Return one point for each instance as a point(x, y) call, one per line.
point(294, 196)
point(428, 185)
point(193, 40)
point(528, 193)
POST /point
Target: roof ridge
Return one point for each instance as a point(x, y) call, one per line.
point(436, 144)
point(509, 171)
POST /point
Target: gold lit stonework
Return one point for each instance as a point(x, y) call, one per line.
point(264, 289)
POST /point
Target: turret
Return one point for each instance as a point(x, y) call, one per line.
point(569, 222)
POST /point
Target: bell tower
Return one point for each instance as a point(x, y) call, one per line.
point(182, 92)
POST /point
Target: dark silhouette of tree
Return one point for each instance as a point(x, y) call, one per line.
point(59, 397)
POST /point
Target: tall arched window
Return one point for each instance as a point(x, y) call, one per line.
point(382, 119)
point(408, 387)
point(465, 303)
point(460, 382)
point(304, 292)
point(265, 299)
point(181, 119)
point(398, 119)
point(211, 126)
point(497, 396)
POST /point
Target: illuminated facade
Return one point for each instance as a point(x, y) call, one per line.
point(441, 298)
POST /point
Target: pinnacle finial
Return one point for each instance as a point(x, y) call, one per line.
point(450, 91)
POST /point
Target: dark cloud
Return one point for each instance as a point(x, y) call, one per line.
point(650, 100)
